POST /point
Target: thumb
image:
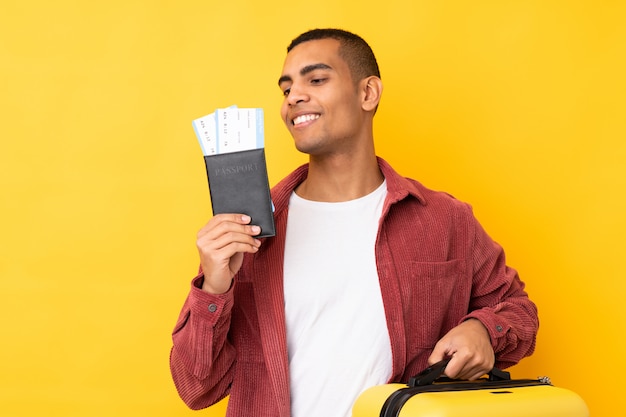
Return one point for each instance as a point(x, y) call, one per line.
point(439, 353)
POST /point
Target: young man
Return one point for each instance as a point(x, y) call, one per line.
point(370, 276)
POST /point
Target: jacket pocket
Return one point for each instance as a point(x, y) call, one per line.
point(434, 295)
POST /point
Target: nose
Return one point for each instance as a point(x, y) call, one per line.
point(297, 94)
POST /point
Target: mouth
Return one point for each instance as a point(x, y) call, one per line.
point(304, 119)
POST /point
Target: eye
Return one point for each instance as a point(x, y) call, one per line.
point(316, 81)
point(286, 91)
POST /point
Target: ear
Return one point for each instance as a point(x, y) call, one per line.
point(371, 90)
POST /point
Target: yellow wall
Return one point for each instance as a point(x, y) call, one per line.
point(515, 106)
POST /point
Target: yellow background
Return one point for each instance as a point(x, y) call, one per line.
point(514, 106)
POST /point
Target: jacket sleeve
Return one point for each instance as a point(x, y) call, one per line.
point(202, 359)
point(500, 302)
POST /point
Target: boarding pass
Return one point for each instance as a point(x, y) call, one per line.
point(230, 129)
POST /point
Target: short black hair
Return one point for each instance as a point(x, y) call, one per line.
point(352, 48)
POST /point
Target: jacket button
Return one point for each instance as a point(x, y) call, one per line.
point(499, 328)
point(212, 308)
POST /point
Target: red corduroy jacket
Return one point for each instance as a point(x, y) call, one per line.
point(437, 268)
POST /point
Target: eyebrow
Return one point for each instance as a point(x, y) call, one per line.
point(304, 71)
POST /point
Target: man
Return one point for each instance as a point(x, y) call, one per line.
point(370, 276)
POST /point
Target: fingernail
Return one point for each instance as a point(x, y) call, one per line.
point(256, 230)
point(245, 218)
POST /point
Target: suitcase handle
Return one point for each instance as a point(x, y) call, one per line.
point(435, 371)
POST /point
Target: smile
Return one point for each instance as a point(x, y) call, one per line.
point(305, 118)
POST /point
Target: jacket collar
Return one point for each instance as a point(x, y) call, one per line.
point(398, 187)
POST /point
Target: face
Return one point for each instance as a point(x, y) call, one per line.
point(322, 105)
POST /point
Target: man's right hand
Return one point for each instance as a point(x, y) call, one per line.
point(221, 244)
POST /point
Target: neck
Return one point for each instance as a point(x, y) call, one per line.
point(340, 178)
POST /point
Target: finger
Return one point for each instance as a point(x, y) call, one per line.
point(229, 223)
point(472, 373)
point(223, 236)
point(231, 243)
point(467, 366)
point(454, 369)
point(218, 245)
point(218, 251)
point(439, 353)
point(233, 217)
point(218, 219)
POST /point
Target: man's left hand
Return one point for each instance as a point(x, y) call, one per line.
point(469, 347)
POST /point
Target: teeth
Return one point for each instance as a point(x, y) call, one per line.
point(305, 118)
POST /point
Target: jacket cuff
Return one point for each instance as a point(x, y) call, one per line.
point(206, 306)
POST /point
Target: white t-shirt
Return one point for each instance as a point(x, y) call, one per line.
point(337, 334)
